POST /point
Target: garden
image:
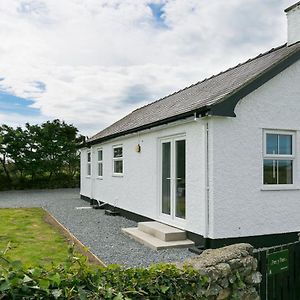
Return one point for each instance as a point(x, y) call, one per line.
point(37, 262)
point(25, 235)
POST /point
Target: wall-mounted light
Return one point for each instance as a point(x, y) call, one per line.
point(138, 148)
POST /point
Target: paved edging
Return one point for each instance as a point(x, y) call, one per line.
point(79, 246)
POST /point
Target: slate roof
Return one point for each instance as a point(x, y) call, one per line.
point(207, 95)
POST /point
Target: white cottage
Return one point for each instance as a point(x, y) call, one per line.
point(219, 159)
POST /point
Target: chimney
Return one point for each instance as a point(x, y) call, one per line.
point(293, 18)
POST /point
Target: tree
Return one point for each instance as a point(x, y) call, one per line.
point(40, 151)
point(13, 146)
point(59, 147)
point(3, 155)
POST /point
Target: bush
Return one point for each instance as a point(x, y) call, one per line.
point(43, 182)
point(77, 280)
point(5, 184)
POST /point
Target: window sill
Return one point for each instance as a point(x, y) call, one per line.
point(118, 175)
point(280, 188)
point(99, 177)
point(88, 176)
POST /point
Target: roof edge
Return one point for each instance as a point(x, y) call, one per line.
point(214, 75)
point(292, 7)
point(199, 112)
point(227, 106)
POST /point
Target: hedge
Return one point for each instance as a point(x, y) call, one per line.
point(25, 183)
point(76, 279)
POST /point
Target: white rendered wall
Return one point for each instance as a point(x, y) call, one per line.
point(293, 25)
point(138, 190)
point(241, 207)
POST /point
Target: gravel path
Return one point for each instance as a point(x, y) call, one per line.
point(101, 233)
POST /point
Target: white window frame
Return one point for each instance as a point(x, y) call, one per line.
point(118, 159)
point(291, 157)
point(88, 164)
point(99, 162)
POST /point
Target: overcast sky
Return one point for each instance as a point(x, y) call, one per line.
point(90, 62)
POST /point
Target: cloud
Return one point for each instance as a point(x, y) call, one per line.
point(90, 62)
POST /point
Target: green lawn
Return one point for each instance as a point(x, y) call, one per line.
point(32, 240)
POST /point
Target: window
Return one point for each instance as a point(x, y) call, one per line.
point(118, 160)
point(89, 164)
point(279, 156)
point(100, 163)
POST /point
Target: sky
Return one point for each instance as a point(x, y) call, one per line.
point(90, 62)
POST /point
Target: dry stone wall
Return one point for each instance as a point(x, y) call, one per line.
point(232, 272)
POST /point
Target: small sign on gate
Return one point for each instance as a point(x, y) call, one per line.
point(278, 262)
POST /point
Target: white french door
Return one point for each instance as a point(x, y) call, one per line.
point(173, 175)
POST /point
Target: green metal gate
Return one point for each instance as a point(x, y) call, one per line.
point(280, 269)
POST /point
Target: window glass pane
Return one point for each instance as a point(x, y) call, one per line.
point(272, 143)
point(118, 152)
point(89, 156)
point(270, 171)
point(99, 155)
point(89, 169)
point(285, 172)
point(118, 166)
point(100, 169)
point(285, 144)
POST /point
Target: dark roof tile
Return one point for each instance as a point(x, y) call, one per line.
point(206, 93)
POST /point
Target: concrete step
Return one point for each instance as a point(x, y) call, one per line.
point(161, 231)
point(153, 242)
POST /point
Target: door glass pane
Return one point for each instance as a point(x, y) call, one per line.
point(166, 178)
point(285, 144)
point(180, 179)
point(285, 172)
point(272, 143)
point(270, 171)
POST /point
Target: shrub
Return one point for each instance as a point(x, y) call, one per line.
point(42, 182)
point(75, 279)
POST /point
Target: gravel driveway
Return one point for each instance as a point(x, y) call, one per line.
point(101, 233)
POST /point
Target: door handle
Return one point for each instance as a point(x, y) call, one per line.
point(178, 178)
point(168, 178)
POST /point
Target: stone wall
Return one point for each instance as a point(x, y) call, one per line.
point(232, 272)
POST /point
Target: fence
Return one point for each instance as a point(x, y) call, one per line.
point(280, 269)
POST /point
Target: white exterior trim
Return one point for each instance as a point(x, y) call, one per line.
point(98, 161)
point(114, 174)
point(292, 157)
point(171, 219)
point(89, 164)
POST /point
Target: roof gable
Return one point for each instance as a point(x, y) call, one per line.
point(217, 95)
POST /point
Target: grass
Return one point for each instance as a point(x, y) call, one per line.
point(32, 240)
